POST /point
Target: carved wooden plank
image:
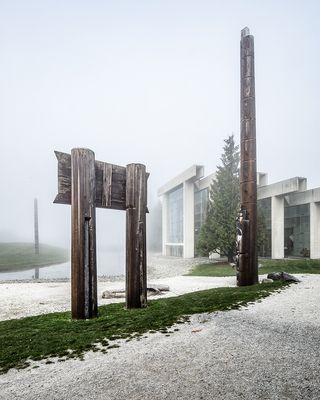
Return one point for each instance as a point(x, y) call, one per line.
point(118, 197)
point(64, 178)
point(110, 186)
point(110, 183)
point(103, 183)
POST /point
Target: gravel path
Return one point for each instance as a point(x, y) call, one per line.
point(269, 350)
point(159, 266)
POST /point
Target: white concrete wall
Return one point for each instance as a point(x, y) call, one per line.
point(164, 223)
point(314, 230)
point(188, 219)
point(195, 172)
point(277, 227)
point(282, 188)
point(262, 179)
point(205, 182)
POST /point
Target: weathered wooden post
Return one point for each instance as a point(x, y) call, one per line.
point(36, 236)
point(136, 251)
point(248, 262)
point(83, 237)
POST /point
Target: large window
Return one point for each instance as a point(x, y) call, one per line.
point(297, 230)
point(264, 227)
point(175, 222)
point(200, 210)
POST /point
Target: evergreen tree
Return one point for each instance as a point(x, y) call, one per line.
point(261, 230)
point(218, 233)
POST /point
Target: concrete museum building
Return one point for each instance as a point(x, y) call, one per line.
point(290, 212)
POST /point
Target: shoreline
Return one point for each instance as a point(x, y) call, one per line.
point(158, 266)
point(103, 278)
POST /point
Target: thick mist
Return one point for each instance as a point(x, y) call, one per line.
point(149, 82)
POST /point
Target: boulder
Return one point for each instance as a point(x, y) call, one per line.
point(282, 276)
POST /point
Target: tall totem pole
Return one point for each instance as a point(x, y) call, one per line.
point(248, 261)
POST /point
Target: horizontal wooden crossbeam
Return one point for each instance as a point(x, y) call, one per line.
point(110, 183)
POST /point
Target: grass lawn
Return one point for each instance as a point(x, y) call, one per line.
point(302, 266)
point(56, 334)
point(21, 256)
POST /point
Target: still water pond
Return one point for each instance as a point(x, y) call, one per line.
point(109, 263)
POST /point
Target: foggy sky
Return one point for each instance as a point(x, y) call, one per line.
point(155, 82)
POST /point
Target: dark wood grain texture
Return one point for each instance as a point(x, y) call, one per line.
point(248, 261)
point(86, 184)
point(83, 235)
point(136, 249)
point(110, 186)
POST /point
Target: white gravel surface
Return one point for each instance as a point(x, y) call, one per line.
point(20, 299)
point(24, 299)
point(268, 350)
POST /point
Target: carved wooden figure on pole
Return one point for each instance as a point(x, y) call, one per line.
point(248, 263)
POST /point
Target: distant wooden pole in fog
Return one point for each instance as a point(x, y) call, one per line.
point(36, 227)
point(36, 235)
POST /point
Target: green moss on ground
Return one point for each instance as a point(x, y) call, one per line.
point(56, 335)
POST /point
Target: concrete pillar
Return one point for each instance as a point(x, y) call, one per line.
point(188, 219)
point(314, 230)
point(164, 223)
point(277, 227)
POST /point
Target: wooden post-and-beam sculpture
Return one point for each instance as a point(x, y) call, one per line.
point(86, 184)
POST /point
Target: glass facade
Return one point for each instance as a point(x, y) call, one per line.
point(297, 230)
point(292, 222)
point(175, 222)
point(264, 227)
point(200, 209)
